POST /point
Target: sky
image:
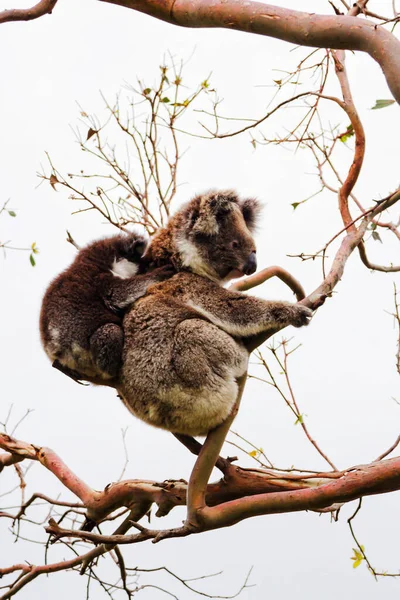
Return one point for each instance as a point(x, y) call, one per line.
point(344, 372)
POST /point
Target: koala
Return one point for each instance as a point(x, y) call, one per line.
point(82, 309)
point(185, 340)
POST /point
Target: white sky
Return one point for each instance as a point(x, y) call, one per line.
point(344, 374)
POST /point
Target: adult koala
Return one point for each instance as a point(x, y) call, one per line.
point(184, 346)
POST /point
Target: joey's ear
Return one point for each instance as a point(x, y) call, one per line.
point(213, 206)
point(134, 246)
point(251, 209)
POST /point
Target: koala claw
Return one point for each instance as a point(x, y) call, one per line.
point(301, 315)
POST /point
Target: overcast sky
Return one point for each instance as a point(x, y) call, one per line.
point(344, 373)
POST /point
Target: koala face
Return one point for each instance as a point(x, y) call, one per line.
point(216, 240)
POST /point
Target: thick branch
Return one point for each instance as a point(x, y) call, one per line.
point(304, 29)
point(376, 478)
point(262, 276)
point(44, 7)
point(7, 460)
point(208, 457)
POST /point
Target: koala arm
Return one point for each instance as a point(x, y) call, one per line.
point(125, 292)
point(241, 315)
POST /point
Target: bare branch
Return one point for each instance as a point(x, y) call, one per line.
point(242, 285)
point(305, 29)
point(44, 7)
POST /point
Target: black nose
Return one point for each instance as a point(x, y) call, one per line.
point(250, 265)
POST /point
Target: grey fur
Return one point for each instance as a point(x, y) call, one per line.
point(82, 309)
point(184, 347)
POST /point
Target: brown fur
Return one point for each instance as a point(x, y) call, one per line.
point(184, 350)
point(82, 310)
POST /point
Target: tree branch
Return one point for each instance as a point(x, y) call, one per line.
point(44, 7)
point(304, 29)
point(242, 285)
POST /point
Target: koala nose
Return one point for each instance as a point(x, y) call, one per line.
point(250, 265)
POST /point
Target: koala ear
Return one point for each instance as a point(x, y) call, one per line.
point(134, 246)
point(212, 207)
point(251, 209)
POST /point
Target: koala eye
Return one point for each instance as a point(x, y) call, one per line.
point(235, 244)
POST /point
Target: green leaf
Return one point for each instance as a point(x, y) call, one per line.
point(205, 84)
point(165, 99)
point(34, 248)
point(376, 236)
point(12, 213)
point(146, 91)
point(382, 104)
point(32, 260)
point(349, 133)
point(295, 205)
point(300, 419)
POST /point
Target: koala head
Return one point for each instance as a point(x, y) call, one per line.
point(213, 235)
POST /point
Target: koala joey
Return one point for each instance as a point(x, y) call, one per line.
point(185, 340)
point(82, 310)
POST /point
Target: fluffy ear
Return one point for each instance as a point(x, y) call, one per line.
point(212, 207)
point(251, 209)
point(133, 246)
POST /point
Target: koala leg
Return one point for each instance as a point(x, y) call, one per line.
point(106, 346)
point(207, 363)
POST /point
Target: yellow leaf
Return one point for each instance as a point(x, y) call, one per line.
point(357, 558)
point(253, 453)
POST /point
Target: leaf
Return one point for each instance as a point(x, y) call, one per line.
point(349, 133)
point(300, 419)
point(253, 143)
point(90, 133)
point(358, 557)
point(165, 99)
point(278, 81)
point(376, 236)
point(295, 205)
point(205, 84)
point(53, 180)
point(146, 91)
point(253, 453)
point(34, 248)
point(12, 213)
point(84, 115)
point(382, 104)
point(32, 260)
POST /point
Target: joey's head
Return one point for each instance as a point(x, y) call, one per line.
point(213, 235)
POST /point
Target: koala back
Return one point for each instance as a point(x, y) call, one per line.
point(179, 370)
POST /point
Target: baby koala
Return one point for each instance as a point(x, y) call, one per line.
point(82, 309)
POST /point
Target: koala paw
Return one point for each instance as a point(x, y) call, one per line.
point(163, 273)
point(301, 315)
